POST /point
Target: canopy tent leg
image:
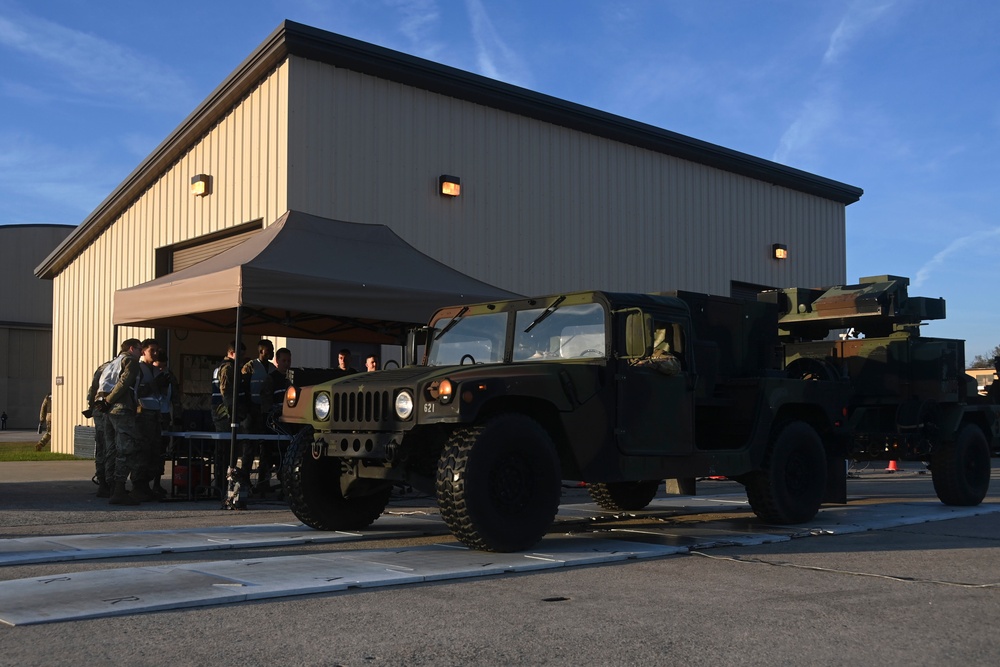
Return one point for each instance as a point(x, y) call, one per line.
point(235, 496)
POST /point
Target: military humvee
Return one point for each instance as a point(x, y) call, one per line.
point(616, 390)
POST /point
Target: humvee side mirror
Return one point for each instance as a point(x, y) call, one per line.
point(416, 345)
point(637, 329)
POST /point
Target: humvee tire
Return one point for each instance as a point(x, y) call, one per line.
point(499, 483)
point(790, 487)
point(623, 496)
point(313, 490)
point(961, 470)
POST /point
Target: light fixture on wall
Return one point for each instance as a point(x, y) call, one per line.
point(200, 185)
point(779, 251)
point(451, 186)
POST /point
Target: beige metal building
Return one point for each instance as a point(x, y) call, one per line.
point(25, 321)
point(554, 196)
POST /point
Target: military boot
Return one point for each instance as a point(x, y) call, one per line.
point(141, 492)
point(120, 496)
point(103, 490)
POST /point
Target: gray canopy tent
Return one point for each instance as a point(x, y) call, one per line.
point(305, 277)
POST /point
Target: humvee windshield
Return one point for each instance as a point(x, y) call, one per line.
point(570, 332)
point(480, 337)
point(564, 332)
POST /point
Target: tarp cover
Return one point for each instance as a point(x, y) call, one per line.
point(306, 277)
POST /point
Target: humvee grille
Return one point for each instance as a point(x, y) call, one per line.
point(361, 407)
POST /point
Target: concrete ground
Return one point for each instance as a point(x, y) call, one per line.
point(927, 594)
point(20, 435)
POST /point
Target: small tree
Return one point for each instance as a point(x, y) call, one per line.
point(985, 360)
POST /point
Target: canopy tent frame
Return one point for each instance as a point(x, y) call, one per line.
point(356, 282)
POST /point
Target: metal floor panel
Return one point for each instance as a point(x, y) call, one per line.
point(101, 593)
point(24, 550)
point(392, 524)
point(121, 591)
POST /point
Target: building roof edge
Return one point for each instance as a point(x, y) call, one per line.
point(291, 38)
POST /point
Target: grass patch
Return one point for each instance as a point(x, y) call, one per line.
point(25, 451)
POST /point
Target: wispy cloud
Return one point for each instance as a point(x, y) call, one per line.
point(816, 116)
point(493, 57)
point(820, 110)
point(419, 20)
point(95, 67)
point(859, 17)
point(983, 239)
point(30, 170)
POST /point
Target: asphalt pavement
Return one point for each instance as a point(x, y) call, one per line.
point(925, 594)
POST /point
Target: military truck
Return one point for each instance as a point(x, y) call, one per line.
point(620, 391)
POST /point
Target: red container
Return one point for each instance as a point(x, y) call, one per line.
point(199, 474)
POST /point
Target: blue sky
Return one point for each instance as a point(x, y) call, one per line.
point(898, 97)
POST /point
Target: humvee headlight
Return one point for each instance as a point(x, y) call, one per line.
point(321, 406)
point(404, 405)
point(291, 396)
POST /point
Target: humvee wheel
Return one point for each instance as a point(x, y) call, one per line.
point(498, 483)
point(313, 490)
point(790, 488)
point(623, 496)
point(961, 471)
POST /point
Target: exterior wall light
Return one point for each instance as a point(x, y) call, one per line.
point(779, 251)
point(451, 186)
point(200, 185)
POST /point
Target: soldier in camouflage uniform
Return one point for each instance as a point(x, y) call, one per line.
point(121, 401)
point(225, 411)
point(255, 373)
point(170, 413)
point(107, 378)
point(147, 419)
point(45, 422)
point(104, 455)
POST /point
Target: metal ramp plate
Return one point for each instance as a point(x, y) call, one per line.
point(122, 591)
point(20, 551)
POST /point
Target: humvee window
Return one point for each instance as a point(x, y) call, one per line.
point(569, 332)
point(473, 339)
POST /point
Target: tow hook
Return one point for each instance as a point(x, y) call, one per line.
point(317, 449)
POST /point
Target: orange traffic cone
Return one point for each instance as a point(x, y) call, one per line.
point(894, 467)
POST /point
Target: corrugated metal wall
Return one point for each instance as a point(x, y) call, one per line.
point(543, 208)
point(25, 299)
point(25, 379)
point(25, 320)
point(245, 154)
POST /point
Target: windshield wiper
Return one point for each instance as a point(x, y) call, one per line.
point(548, 311)
point(455, 320)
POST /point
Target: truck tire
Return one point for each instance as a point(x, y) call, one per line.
point(312, 488)
point(499, 483)
point(961, 470)
point(623, 496)
point(790, 487)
